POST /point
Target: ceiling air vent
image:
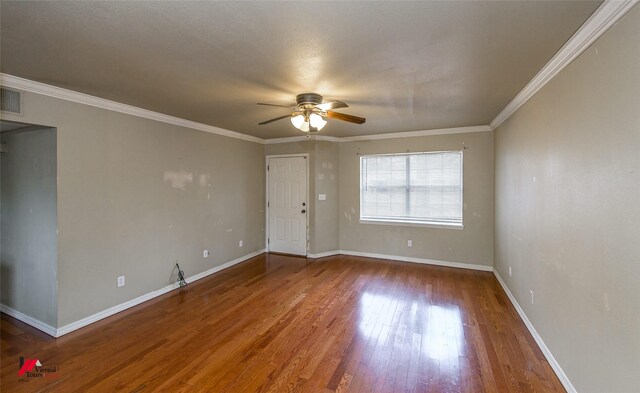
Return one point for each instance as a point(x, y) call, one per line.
point(11, 101)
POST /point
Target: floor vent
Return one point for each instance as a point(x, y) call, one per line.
point(11, 101)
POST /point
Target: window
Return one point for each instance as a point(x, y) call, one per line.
point(414, 188)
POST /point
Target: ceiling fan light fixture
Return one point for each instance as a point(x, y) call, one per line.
point(297, 121)
point(310, 114)
point(305, 124)
point(317, 121)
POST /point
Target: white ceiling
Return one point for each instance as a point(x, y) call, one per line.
point(405, 66)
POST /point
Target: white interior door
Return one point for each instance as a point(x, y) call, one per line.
point(287, 205)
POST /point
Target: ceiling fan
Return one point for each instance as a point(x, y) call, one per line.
point(309, 114)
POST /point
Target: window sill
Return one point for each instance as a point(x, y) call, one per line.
point(413, 224)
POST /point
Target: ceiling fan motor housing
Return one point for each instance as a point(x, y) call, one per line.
point(309, 98)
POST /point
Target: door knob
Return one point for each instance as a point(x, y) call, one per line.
point(304, 211)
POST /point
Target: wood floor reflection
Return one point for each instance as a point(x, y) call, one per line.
point(283, 324)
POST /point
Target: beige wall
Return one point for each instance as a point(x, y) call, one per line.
point(323, 179)
point(568, 213)
point(135, 195)
point(29, 242)
point(334, 223)
point(327, 174)
point(472, 245)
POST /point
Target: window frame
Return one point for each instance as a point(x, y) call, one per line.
point(407, 222)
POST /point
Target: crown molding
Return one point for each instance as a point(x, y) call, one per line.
point(15, 82)
point(18, 83)
point(609, 12)
point(301, 138)
point(598, 23)
point(326, 138)
point(392, 135)
point(411, 134)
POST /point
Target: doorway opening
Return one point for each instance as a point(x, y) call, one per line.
point(28, 222)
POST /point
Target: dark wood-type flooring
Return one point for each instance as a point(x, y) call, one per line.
point(283, 324)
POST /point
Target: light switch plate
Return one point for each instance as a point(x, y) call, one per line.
point(322, 197)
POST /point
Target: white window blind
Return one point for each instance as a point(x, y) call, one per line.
point(420, 188)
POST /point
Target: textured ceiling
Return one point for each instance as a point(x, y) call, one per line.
point(405, 66)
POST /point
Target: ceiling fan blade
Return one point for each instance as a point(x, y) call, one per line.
point(332, 105)
point(345, 117)
point(272, 120)
point(280, 106)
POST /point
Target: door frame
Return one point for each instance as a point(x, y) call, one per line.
point(266, 199)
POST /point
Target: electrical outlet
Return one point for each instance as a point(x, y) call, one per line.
point(509, 271)
point(240, 243)
point(531, 291)
point(409, 243)
point(205, 254)
point(120, 281)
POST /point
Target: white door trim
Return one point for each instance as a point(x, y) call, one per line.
point(266, 199)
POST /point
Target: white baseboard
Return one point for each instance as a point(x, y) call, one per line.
point(543, 347)
point(50, 330)
point(141, 299)
point(323, 254)
point(216, 269)
point(425, 261)
point(112, 310)
point(134, 302)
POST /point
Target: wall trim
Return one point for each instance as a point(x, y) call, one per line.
point(120, 307)
point(141, 299)
point(412, 134)
point(23, 84)
point(50, 330)
point(425, 261)
point(302, 138)
point(227, 265)
point(323, 254)
point(543, 347)
point(15, 82)
point(609, 12)
point(392, 135)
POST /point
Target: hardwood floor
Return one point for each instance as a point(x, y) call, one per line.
point(282, 324)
